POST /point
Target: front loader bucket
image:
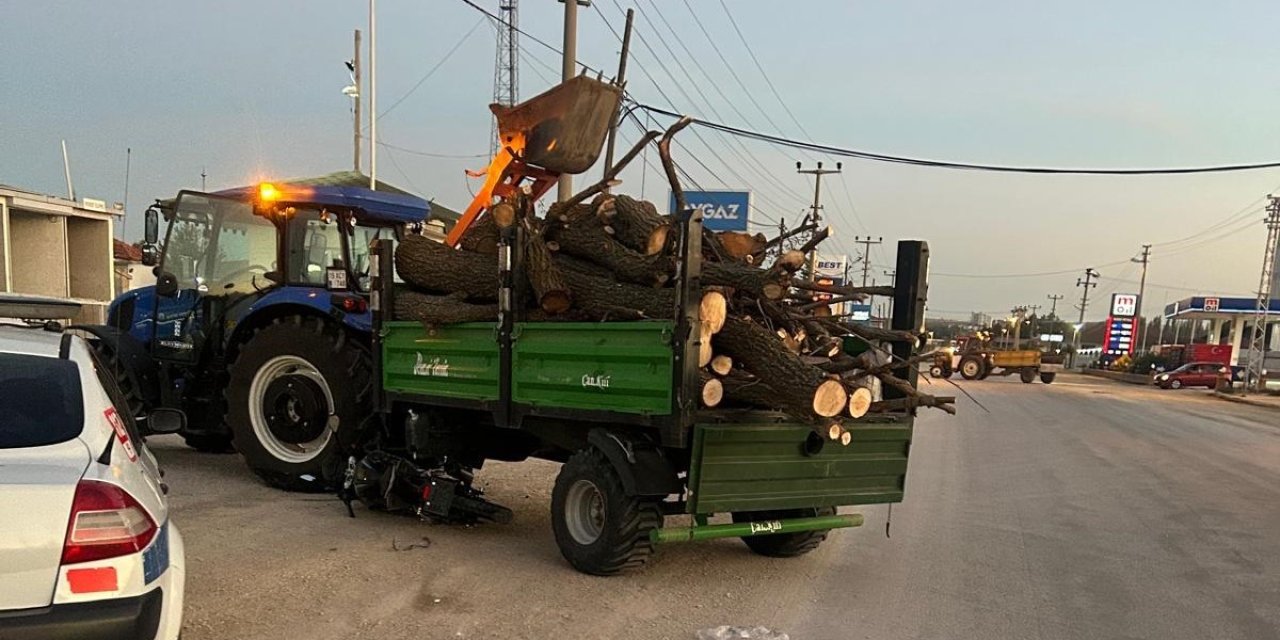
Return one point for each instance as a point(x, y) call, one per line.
point(564, 127)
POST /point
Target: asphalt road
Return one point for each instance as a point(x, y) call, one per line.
point(1082, 509)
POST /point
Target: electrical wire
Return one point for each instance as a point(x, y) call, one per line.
point(430, 154)
point(466, 36)
point(941, 164)
point(756, 164)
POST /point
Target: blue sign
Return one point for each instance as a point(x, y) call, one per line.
point(721, 210)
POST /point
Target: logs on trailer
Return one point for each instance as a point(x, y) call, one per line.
point(763, 341)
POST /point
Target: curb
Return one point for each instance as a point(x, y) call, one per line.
point(1249, 401)
point(1126, 378)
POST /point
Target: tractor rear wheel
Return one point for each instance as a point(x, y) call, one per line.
point(784, 545)
point(294, 384)
point(972, 368)
point(1027, 375)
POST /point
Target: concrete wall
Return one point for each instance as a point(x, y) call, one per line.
point(4, 243)
point(39, 253)
point(89, 258)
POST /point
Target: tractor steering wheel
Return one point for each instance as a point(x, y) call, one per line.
point(230, 278)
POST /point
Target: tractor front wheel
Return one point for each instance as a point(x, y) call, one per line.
point(294, 384)
point(1027, 375)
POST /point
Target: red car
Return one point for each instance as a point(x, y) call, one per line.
point(1192, 374)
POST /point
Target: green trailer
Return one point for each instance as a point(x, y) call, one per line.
point(615, 402)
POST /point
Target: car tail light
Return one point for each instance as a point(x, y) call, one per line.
point(106, 522)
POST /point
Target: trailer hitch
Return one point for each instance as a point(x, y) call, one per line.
point(387, 482)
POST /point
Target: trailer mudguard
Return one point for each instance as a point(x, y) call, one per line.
point(643, 469)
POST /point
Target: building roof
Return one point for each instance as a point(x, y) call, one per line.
point(125, 251)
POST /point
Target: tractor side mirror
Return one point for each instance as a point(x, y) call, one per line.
point(151, 237)
point(166, 285)
point(165, 421)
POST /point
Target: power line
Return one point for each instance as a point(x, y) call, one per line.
point(554, 49)
point(941, 164)
point(466, 36)
point(760, 68)
point(430, 154)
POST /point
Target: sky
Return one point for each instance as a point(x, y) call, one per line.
point(245, 91)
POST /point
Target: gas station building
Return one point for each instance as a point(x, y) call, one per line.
point(1230, 320)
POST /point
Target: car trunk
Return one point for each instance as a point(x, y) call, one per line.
point(39, 484)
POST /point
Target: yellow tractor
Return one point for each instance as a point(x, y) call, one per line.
point(975, 359)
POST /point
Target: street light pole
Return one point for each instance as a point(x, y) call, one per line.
point(568, 69)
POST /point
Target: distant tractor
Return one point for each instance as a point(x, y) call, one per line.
point(258, 324)
point(975, 359)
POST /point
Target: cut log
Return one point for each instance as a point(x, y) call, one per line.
point(860, 399)
point(429, 309)
point(741, 246)
point(658, 239)
point(790, 261)
point(835, 431)
point(721, 365)
point(762, 283)
point(548, 285)
point(600, 294)
point(503, 214)
point(705, 354)
point(584, 237)
point(634, 222)
point(713, 309)
point(744, 388)
point(481, 237)
point(712, 391)
point(803, 389)
point(434, 267)
point(846, 438)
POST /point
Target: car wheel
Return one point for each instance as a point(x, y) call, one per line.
point(1175, 384)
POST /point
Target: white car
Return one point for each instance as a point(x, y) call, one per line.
point(86, 546)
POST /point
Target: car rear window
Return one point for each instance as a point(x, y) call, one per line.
point(40, 401)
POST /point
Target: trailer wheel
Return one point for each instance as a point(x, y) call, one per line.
point(1047, 378)
point(972, 368)
point(600, 530)
point(294, 384)
point(784, 545)
point(1027, 375)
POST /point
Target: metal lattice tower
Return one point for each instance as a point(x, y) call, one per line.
point(506, 61)
point(1257, 344)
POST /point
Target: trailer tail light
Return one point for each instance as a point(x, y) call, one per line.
point(106, 522)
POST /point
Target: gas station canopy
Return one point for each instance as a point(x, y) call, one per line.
point(1215, 308)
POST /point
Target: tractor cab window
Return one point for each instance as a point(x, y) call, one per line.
point(315, 246)
point(361, 238)
point(217, 245)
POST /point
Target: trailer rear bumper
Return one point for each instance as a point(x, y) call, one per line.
point(746, 529)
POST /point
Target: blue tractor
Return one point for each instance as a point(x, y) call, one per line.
point(258, 324)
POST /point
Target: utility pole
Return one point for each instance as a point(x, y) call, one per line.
point(203, 175)
point(569, 69)
point(506, 77)
point(866, 254)
point(1258, 343)
point(1089, 275)
point(373, 95)
point(816, 207)
point(1034, 308)
point(1142, 289)
point(621, 81)
point(1053, 311)
point(358, 122)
